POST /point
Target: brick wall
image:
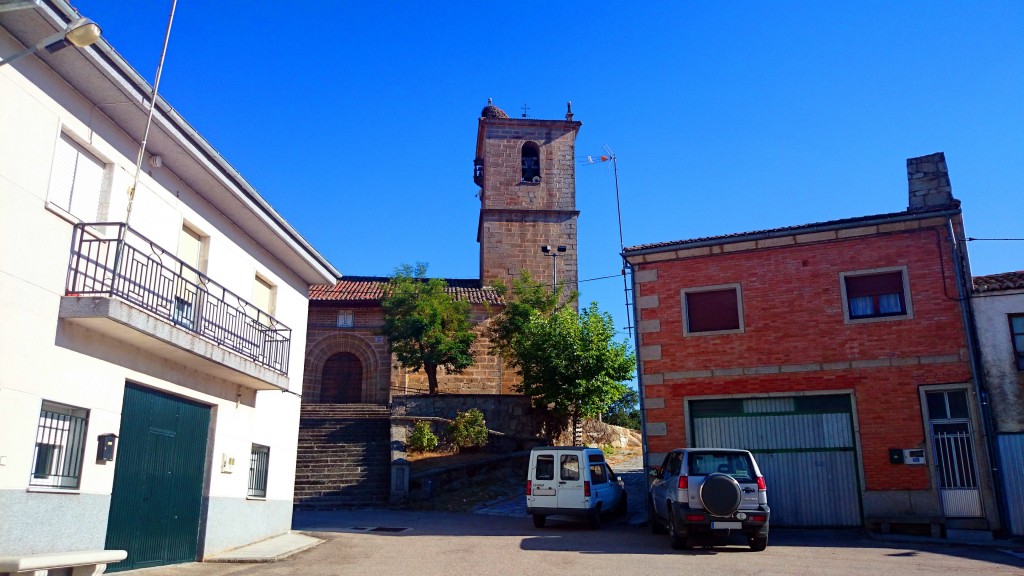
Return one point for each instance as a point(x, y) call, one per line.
point(795, 338)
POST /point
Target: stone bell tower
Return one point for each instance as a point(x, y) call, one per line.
point(526, 170)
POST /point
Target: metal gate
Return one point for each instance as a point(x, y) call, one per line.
point(956, 467)
point(804, 446)
point(158, 479)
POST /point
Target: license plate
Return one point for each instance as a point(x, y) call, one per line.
point(543, 491)
point(727, 525)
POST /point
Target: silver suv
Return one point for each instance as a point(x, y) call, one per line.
point(709, 493)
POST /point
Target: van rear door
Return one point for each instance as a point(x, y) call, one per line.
point(543, 486)
point(570, 481)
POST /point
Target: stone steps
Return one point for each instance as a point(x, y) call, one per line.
point(344, 456)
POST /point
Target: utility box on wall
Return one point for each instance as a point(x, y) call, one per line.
point(105, 447)
point(913, 456)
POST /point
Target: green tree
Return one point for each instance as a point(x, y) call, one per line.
point(525, 300)
point(625, 411)
point(567, 361)
point(426, 326)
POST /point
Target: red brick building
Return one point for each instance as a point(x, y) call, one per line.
point(525, 168)
point(836, 352)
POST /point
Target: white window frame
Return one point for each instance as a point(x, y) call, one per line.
point(718, 287)
point(346, 319)
point(72, 194)
point(871, 272)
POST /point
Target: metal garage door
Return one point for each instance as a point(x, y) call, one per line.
point(158, 479)
point(804, 446)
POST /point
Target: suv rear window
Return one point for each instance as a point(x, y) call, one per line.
point(736, 465)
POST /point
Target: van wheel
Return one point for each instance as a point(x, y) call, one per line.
point(539, 520)
point(595, 518)
point(758, 544)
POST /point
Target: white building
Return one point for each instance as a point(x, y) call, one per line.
point(998, 305)
point(182, 332)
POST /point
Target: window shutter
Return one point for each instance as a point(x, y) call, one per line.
point(712, 311)
point(874, 284)
point(262, 295)
point(76, 182)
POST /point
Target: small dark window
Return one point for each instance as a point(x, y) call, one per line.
point(1017, 333)
point(545, 467)
point(712, 310)
point(259, 465)
point(951, 405)
point(876, 295)
point(531, 162)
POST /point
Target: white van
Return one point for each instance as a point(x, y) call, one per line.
point(572, 481)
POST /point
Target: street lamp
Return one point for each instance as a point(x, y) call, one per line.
point(80, 33)
point(547, 250)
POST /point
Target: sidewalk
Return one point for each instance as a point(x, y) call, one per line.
point(269, 550)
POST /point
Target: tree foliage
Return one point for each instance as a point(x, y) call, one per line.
point(426, 326)
point(625, 411)
point(567, 360)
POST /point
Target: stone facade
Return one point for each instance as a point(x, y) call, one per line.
point(381, 377)
point(518, 215)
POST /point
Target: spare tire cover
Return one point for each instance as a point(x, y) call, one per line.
point(720, 494)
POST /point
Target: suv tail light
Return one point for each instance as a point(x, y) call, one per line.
point(529, 487)
point(684, 482)
point(586, 488)
point(760, 483)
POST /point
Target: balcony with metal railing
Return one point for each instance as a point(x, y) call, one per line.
point(128, 287)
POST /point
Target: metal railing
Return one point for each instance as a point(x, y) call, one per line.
point(112, 259)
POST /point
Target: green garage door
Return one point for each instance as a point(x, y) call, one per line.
point(804, 446)
point(158, 479)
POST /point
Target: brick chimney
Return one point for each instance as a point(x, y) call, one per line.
point(928, 181)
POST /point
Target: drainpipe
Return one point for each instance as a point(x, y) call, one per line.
point(980, 391)
point(639, 368)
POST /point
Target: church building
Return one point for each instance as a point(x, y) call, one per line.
point(525, 168)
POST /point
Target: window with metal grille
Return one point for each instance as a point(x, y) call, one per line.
point(259, 464)
point(880, 294)
point(712, 310)
point(1017, 334)
point(60, 443)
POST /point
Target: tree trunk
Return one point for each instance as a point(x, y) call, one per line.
point(431, 370)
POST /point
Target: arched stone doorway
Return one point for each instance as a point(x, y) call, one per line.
point(342, 379)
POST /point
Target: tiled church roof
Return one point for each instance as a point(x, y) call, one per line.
point(1004, 281)
point(371, 289)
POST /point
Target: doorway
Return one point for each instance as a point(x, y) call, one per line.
point(342, 380)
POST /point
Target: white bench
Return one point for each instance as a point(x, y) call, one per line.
point(89, 563)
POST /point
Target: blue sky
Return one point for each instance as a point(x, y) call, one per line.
point(357, 121)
